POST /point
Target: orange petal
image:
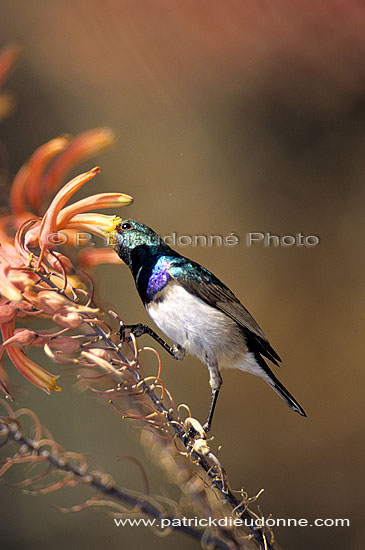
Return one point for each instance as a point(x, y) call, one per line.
point(31, 237)
point(70, 319)
point(102, 200)
point(4, 382)
point(38, 162)
point(22, 337)
point(98, 224)
point(59, 262)
point(4, 225)
point(8, 57)
point(91, 257)
point(7, 313)
point(51, 302)
point(30, 370)
point(99, 361)
point(82, 147)
point(7, 288)
point(17, 194)
point(9, 254)
point(49, 221)
point(27, 182)
point(7, 105)
point(66, 344)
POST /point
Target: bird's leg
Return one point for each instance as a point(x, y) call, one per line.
point(215, 382)
point(139, 329)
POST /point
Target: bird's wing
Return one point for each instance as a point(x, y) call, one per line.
point(213, 292)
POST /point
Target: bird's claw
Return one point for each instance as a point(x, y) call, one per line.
point(136, 330)
point(206, 427)
point(194, 428)
point(178, 353)
point(122, 334)
point(192, 432)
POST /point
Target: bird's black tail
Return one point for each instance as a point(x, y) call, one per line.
point(279, 388)
point(285, 395)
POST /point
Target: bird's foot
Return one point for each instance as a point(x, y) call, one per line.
point(192, 432)
point(178, 352)
point(206, 427)
point(137, 330)
point(194, 429)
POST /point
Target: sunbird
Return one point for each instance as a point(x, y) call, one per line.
point(195, 310)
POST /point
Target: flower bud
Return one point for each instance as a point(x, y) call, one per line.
point(100, 352)
point(7, 313)
point(70, 319)
point(55, 262)
point(66, 344)
point(51, 302)
point(22, 337)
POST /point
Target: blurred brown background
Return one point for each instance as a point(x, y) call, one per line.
point(236, 116)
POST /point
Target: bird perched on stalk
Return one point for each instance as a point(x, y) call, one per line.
point(195, 310)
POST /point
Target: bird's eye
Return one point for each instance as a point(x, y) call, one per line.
point(126, 225)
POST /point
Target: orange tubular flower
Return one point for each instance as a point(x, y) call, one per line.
point(25, 184)
point(49, 285)
point(103, 200)
point(23, 294)
point(30, 370)
point(82, 147)
point(8, 57)
point(49, 222)
point(91, 257)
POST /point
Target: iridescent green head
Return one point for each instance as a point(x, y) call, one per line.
point(129, 235)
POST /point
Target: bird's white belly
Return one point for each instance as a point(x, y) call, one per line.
point(199, 328)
